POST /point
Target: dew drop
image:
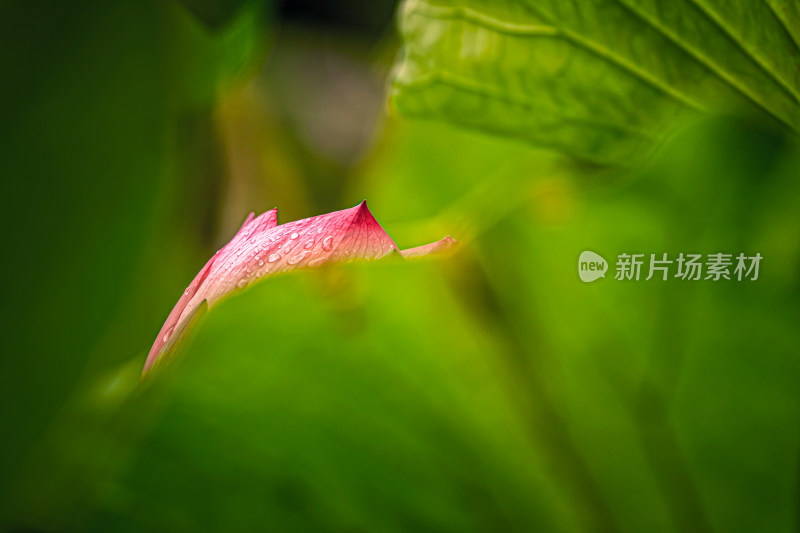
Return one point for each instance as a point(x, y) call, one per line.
point(296, 259)
point(316, 262)
point(347, 252)
point(293, 236)
point(309, 244)
point(273, 258)
point(242, 283)
point(239, 252)
point(261, 263)
point(327, 243)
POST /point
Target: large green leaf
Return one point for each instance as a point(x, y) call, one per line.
point(102, 152)
point(596, 79)
point(487, 391)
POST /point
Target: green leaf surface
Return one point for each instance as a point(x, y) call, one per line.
point(488, 391)
point(598, 80)
point(99, 148)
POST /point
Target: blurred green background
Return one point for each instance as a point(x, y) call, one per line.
point(489, 390)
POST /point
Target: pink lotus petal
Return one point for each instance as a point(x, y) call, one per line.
point(262, 247)
point(172, 340)
point(264, 221)
point(432, 248)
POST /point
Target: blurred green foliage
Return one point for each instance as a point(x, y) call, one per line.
point(101, 142)
point(489, 390)
point(597, 80)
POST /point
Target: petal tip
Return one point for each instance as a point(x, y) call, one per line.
point(248, 220)
point(435, 247)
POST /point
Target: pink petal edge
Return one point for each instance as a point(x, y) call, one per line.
point(432, 248)
point(263, 247)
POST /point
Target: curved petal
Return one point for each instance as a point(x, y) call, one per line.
point(342, 235)
point(187, 302)
point(432, 248)
point(172, 320)
point(262, 247)
point(264, 221)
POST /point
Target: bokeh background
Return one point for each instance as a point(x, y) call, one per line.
point(488, 390)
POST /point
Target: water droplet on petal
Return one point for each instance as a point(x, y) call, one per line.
point(347, 252)
point(309, 244)
point(273, 258)
point(316, 262)
point(299, 257)
point(242, 283)
point(261, 263)
point(293, 236)
point(327, 243)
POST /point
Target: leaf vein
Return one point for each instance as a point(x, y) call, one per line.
point(455, 81)
point(722, 24)
point(482, 19)
point(795, 38)
point(707, 62)
point(488, 22)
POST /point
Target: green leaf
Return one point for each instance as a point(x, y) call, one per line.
point(100, 147)
point(598, 80)
point(491, 391)
point(207, 61)
point(338, 400)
